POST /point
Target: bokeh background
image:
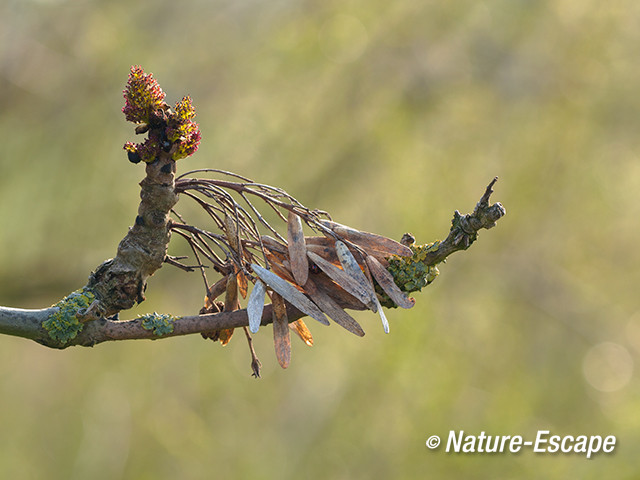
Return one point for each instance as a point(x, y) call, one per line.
point(390, 115)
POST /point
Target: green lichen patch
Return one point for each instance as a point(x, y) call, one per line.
point(411, 274)
point(160, 323)
point(63, 325)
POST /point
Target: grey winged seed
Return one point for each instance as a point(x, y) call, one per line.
point(255, 306)
point(385, 280)
point(351, 267)
point(383, 317)
point(343, 279)
point(290, 294)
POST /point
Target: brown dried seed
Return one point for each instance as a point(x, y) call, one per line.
point(385, 280)
point(326, 252)
point(368, 240)
point(281, 337)
point(300, 328)
point(332, 309)
point(343, 279)
point(216, 290)
point(225, 335)
point(273, 244)
point(280, 269)
point(321, 241)
point(211, 306)
point(337, 293)
point(212, 335)
point(231, 294)
point(297, 249)
point(231, 230)
point(325, 247)
point(243, 284)
point(230, 304)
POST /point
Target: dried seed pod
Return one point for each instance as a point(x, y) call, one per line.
point(243, 284)
point(216, 290)
point(290, 293)
point(325, 247)
point(385, 280)
point(211, 306)
point(368, 240)
point(225, 336)
point(320, 241)
point(332, 309)
point(230, 304)
point(281, 337)
point(351, 267)
point(297, 249)
point(300, 328)
point(279, 268)
point(231, 294)
point(273, 244)
point(212, 335)
point(255, 306)
point(325, 251)
point(337, 293)
point(345, 280)
point(231, 230)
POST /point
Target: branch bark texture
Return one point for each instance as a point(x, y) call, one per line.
point(120, 283)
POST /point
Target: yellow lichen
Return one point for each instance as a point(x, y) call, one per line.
point(63, 325)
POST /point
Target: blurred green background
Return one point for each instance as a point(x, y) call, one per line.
point(390, 115)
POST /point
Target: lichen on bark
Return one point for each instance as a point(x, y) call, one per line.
point(62, 324)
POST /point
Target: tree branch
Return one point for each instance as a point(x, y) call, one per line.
point(464, 229)
point(29, 323)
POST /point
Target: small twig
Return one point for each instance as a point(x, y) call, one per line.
point(464, 228)
point(169, 260)
point(255, 362)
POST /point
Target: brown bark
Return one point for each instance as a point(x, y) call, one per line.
point(120, 283)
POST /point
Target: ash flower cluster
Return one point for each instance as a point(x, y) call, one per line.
point(171, 131)
point(143, 96)
point(182, 130)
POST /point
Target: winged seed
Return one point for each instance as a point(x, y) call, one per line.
point(383, 317)
point(300, 328)
point(366, 239)
point(351, 267)
point(332, 309)
point(343, 279)
point(290, 294)
point(281, 337)
point(255, 306)
point(297, 249)
point(385, 280)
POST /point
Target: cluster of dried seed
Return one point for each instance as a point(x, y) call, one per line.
point(321, 276)
point(346, 262)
